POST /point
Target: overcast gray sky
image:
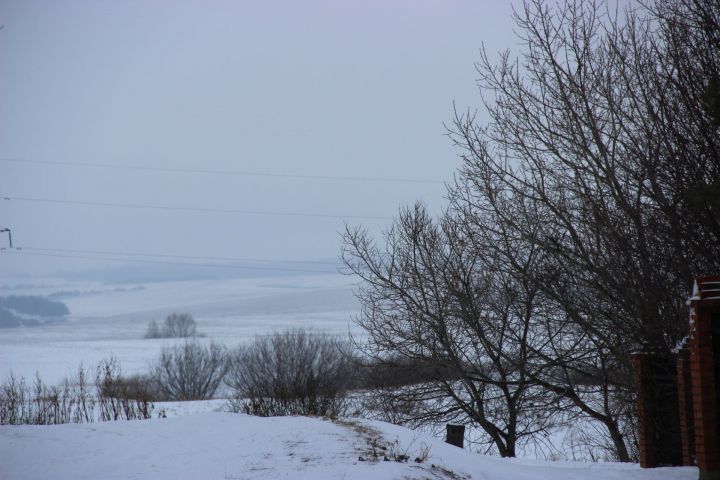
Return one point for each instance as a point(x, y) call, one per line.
point(311, 88)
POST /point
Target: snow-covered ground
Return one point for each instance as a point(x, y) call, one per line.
point(111, 320)
point(228, 446)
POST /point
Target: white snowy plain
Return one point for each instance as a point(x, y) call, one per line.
point(229, 446)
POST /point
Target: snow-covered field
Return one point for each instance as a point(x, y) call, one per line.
point(111, 320)
point(228, 446)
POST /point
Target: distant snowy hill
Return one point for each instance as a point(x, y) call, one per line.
point(111, 320)
point(227, 446)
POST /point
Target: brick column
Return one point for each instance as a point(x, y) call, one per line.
point(645, 415)
point(704, 344)
point(657, 409)
point(703, 391)
point(685, 407)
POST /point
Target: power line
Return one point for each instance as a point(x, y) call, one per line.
point(191, 209)
point(225, 172)
point(165, 262)
point(160, 255)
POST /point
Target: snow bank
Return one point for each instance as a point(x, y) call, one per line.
point(229, 446)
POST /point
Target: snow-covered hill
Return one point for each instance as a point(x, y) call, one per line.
point(226, 446)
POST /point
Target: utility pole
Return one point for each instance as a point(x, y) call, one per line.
point(5, 229)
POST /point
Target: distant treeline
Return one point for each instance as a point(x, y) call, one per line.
point(78, 293)
point(29, 311)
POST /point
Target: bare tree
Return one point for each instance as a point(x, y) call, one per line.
point(176, 325)
point(115, 401)
point(180, 325)
point(428, 297)
point(153, 330)
point(581, 212)
point(190, 371)
point(601, 154)
point(601, 134)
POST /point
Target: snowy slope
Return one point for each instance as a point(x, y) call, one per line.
point(233, 446)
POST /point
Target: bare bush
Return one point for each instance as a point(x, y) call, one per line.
point(291, 373)
point(389, 373)
point(22, 403)
point(177, 325)
point(72, 401)
point(135, 387)
point(190, 371)
point(116, 401)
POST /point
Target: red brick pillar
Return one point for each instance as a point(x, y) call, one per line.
point(685, 407)
point(704, 322)
point(645, 415)
point(657, 409)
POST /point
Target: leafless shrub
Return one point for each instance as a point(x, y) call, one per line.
point(13, 401)
point(136, 387)
point(291, 373)
point(396, 372)
point(190, 371)
point(72, 401)
point(115, 400)
point(22, 403)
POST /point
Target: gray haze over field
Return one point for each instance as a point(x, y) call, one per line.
point(312, 88)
